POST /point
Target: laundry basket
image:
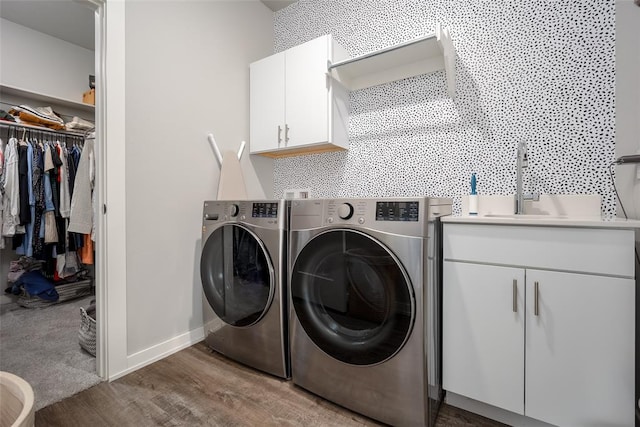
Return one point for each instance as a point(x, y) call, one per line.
point(87, 333)
point(17, 403)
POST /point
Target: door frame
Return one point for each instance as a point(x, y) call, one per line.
point(111, 313)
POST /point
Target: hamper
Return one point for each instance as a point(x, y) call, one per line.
point(87, 333)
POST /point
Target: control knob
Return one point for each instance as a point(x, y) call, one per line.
point(345, 211)
point(233, 210)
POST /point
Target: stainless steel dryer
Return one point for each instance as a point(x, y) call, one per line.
point(365, 293)
point(242, 268)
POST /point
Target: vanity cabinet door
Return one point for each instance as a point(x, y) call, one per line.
point(483, 333)
point(579, 349)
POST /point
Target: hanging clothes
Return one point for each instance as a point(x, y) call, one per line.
point(81, 219)
point(73, 159)
point(38, 194)
point(86, 251)
point(24, 176)
point(1, 191)
point(47, 203)
point(1, 156)
point(53, 177)
point(63, 177)
point(26, 247)
point(11, 190)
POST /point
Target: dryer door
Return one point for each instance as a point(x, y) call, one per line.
point(237, 275)
point(352, 297)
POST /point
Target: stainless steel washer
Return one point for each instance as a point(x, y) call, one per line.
point(365, 293)
point(242, 268)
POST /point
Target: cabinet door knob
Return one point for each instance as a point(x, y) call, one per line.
point(286, 134)
point(279, 137)
point(536, 308)
point(515, 296)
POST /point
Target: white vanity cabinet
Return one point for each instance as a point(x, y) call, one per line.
point(483, 339)
point(295, 107)
point(539, 321)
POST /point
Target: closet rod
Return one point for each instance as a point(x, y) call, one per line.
point(21, 126)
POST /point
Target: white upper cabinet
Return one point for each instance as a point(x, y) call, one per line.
point(267, 103)
point(295, 108)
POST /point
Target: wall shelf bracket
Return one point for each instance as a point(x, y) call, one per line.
point(449, 53)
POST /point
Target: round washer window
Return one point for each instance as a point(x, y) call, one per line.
point(352, 297)
point(237, 275)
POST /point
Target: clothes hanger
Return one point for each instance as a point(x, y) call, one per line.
point(22, 139)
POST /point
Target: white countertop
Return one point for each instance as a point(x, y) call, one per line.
point(546, 221)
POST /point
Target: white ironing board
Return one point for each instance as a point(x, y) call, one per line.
point(231, 185)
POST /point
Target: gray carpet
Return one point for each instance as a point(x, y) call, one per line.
point(41, 346)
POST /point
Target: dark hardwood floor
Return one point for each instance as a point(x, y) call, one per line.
point(198, 387)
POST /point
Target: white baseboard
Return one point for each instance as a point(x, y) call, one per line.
point(492, 412)
point(160, 351)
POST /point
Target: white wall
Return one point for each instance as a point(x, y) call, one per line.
point(44, 64)
point(186, 75)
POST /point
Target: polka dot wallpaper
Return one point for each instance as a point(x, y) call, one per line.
point(540, 71)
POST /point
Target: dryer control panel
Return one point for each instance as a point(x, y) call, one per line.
point(400, 215)
point(263, 213)
point(264, 209)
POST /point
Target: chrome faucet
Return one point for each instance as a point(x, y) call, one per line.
point(522, 162)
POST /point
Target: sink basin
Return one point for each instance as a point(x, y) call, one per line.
point(525, 216)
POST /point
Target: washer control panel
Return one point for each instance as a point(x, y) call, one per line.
point(407, 216)
point(397, 211)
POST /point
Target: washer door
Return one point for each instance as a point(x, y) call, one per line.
point(237, 275)
point(352, 297)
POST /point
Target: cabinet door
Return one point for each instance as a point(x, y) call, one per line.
point(266, 108)
point(580, 349)
point(307, 93)
point(483, 336)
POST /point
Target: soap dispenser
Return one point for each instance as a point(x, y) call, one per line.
point(473, 197)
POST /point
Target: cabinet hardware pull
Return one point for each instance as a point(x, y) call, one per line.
point(536, 310)
point(286, 134)
point(515, 296)
point(279, 136)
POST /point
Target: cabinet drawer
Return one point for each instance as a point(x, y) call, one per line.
point(599, 251)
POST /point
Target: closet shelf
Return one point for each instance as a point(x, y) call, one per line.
point(412, 58)
point(22, 125)
point(47, 99)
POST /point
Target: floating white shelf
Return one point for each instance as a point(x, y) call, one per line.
point(48, 99)
point(412, 58)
